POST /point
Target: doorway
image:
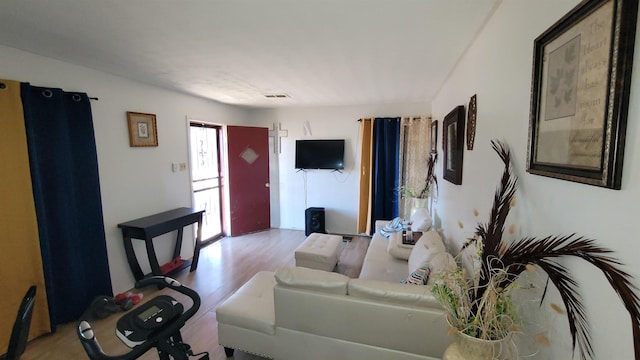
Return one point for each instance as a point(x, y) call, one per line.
point(206, 177)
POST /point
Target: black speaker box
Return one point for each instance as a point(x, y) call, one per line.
point(314, 220)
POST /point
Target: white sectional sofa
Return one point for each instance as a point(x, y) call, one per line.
point(300, 313)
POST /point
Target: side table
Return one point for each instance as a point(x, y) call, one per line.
point(147, 228)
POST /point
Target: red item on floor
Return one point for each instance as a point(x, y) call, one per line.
point(171, 265)
point(120, 297)
point(136, 298)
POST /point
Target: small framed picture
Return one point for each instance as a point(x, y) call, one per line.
point(434, 136)
point(142, 129)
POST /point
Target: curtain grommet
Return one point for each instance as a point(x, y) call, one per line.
point(76, 97)
point(3, 86)
point(47, 93)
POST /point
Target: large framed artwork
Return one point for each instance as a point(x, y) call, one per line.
point(453, 143)
point(580, 94)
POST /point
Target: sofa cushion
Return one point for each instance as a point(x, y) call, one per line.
point(428, 245)
point(439, 263)
point(418, 277)
point(378, 264)
point(312, 279)
point(396, 293)
point(397, 249)
point(251, 307)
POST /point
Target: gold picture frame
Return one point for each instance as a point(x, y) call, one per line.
point(580, 94)
point(143, 131)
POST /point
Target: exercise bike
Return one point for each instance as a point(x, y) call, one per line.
point(154, 324)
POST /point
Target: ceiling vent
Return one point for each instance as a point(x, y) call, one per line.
point(276, 96)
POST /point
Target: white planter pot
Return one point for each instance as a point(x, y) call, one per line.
point(417, 203)
point(466, 347)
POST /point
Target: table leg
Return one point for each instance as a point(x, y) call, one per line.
point(196, 249)
point(153, 260)
point(176, 250)
point(131, 258)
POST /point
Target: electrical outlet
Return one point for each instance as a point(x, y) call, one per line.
point(174, 167)
point(183, 166)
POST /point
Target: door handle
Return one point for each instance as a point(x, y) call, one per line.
point(267, 185)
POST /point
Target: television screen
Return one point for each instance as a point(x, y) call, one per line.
point(320, 154)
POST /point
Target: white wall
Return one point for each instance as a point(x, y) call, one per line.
point(135, 182)
point(498, 69)
point(336, 192)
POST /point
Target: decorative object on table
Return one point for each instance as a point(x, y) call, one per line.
point(410, 237)
point(434, 136)
point(417, 204)
point(480, 305)
point(143, 131)
point(421, 220)
point(580, 94)
point(472, 111)
point(420, 197)
point(453, 144)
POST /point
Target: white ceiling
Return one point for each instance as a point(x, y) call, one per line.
point(319, 52)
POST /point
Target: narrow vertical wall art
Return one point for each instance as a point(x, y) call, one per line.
point(472, 111)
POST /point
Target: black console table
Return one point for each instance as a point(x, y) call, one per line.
point(147, 228)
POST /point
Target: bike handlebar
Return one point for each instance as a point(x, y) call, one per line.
point(92, 346)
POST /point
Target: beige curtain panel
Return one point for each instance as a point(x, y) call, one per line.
point(415, 143)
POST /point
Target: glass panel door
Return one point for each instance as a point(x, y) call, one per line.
point(206, 177)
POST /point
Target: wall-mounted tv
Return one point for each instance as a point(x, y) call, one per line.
point(320, 154)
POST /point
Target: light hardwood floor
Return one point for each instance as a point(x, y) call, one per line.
point(223, 267)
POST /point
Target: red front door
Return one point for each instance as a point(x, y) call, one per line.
point(248, 150)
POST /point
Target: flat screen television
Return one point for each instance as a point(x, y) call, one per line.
point(320, 154)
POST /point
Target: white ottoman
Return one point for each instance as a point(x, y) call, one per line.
point(318, 251)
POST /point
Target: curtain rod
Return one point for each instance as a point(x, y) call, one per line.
point(3, 85)
point(414, 118)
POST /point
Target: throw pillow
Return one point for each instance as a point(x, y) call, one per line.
point(312, 279)
point(418, 277)
point(433, 242)
point(429, 244)
point(441, 262)
point(393, 292)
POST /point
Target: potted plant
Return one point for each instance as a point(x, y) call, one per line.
point(479, 305)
